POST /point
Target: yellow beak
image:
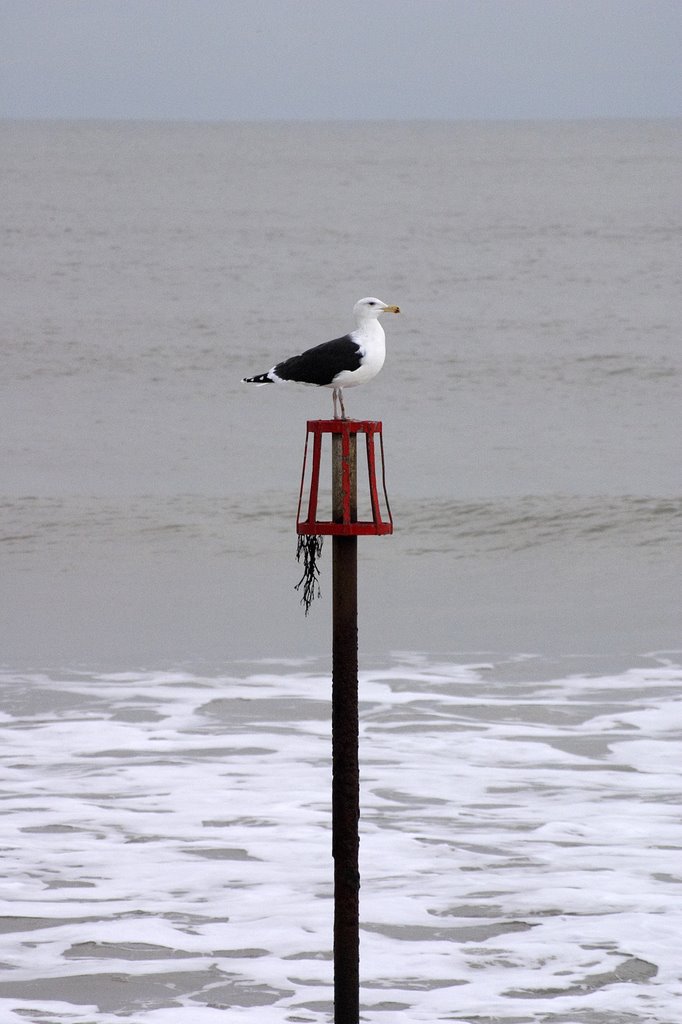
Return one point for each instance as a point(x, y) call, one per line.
point(391, 309)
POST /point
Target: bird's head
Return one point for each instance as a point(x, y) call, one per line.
point(371, 308)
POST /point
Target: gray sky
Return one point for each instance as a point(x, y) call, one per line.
point(317, 59)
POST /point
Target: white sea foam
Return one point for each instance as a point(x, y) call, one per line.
point(166, 849)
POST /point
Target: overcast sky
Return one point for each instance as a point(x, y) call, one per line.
point(317, 59)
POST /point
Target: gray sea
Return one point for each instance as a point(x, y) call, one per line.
point(164, 701)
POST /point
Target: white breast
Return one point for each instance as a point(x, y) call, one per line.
point(372, 341)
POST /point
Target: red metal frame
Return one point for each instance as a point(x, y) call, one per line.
point(347, 526)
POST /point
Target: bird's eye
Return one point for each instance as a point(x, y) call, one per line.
point(371, 303)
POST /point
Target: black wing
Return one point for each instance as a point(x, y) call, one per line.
point(321, 364)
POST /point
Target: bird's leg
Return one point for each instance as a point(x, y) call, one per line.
point(343, 411)
point(336, 415)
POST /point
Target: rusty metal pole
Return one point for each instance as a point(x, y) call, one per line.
point(345, 741)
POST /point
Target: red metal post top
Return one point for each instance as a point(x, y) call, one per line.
point(346, 426)
point(348, 525)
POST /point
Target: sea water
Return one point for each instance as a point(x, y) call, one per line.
point(167, 845)
point(165, 702)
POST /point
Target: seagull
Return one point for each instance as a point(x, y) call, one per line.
point(342, 363)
